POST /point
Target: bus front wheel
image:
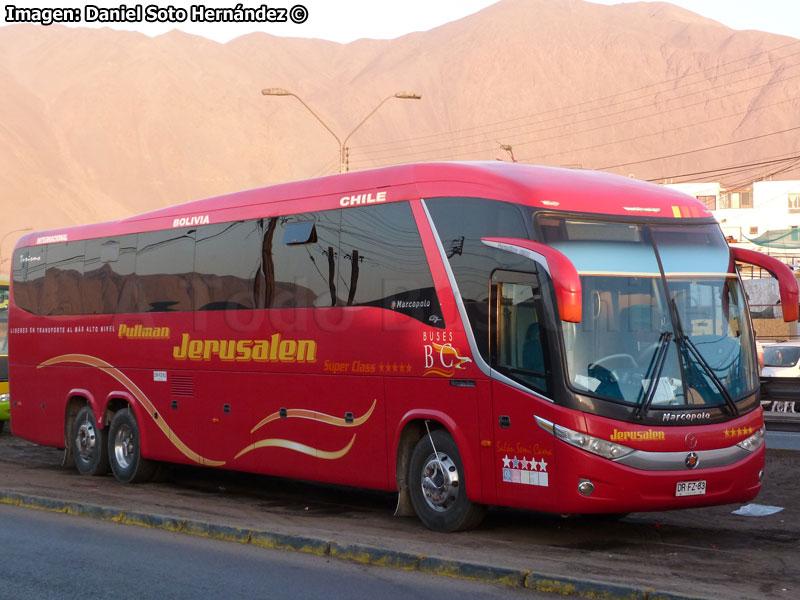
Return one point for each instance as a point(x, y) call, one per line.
point(437, 488)
point(124, 450)
point(89, 444)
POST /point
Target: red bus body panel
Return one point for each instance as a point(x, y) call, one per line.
point(325, 393)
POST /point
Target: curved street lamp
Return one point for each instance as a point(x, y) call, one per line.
point(343, 162)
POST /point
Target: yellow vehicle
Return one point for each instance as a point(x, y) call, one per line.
point(4, 403)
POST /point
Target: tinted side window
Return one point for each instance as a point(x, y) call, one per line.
point(301, 275)
point(382, 263)
point(164, 263)
point(461, 223)
point(108, 273)
point(227, 266)
point(109, 281)
point(29, 268)
point(61, 289)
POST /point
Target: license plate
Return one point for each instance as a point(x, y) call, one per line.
point(690, 488)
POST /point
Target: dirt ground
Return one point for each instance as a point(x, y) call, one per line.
point(703, 553)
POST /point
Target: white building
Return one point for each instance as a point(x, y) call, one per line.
point(770, 205)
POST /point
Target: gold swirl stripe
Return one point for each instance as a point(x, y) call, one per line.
point(298, 447)
point(438, 372)
point(302, 413)
point(140, 396)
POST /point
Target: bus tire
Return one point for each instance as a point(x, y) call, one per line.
point(437, 486)
point(124, 450)
point(89, 444)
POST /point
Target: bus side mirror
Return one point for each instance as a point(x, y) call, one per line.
point(787, 283)
point(565, 276)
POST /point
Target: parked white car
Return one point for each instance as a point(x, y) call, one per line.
point(782, 360)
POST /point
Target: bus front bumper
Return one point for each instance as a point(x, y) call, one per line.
point(595, 485)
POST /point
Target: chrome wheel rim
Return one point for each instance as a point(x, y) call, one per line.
point(439, 482)
point(86, 440)
point(124, 446)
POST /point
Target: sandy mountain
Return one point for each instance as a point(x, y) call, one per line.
point(100, 124)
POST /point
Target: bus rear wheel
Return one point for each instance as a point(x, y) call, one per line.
point(437, 488)
point(89, 444)
point(124, 450)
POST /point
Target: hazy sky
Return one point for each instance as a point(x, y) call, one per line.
point(347, 20)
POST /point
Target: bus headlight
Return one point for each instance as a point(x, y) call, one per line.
point(4, 397)
point(592, 444)
point(754, 441)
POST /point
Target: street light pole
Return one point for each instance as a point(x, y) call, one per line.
point(401, 95)
point(343, 158)
point(283, 92)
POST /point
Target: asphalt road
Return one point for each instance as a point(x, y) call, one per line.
point(697, 553)
point(63, 557)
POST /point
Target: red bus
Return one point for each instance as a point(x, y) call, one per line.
point(464, 334)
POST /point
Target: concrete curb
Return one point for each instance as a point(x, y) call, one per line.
point(564, 586)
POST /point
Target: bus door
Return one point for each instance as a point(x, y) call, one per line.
point(521, 377)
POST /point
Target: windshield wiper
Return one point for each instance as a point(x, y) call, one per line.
point(689, 344)
point(655, 367)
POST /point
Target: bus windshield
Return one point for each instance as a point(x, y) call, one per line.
point(664, 322)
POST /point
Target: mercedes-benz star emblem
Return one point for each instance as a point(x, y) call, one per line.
point(692, 460)
point(691, 440)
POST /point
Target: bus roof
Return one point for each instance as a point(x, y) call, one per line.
point(557, 189)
